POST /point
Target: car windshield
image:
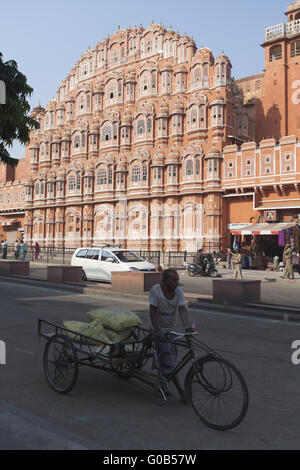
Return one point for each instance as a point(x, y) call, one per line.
point(127, 256)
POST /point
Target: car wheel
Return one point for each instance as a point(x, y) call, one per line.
point(84, 276)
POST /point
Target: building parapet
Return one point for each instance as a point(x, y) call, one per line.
point(282, 30)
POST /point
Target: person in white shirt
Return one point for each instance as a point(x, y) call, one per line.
point(165, 299)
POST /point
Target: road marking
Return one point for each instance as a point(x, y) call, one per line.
point(25, 351)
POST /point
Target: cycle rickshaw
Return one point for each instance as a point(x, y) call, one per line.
point(214, 387)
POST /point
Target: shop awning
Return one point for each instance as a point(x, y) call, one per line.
point(263, 229)
point(8, 222)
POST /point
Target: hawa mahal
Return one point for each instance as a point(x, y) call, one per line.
point(152, 144)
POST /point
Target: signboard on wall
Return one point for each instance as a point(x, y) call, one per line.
point(271, 216)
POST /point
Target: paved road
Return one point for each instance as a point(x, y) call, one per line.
point(104, 412)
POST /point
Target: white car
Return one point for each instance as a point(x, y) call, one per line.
point(98, 263)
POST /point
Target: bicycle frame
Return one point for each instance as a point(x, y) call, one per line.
point(189, 356)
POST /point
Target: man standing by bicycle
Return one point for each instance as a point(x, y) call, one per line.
point(165, 299)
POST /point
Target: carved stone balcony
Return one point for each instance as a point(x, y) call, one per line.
point(282, 30)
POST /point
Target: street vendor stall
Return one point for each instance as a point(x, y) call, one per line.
point(267, 240)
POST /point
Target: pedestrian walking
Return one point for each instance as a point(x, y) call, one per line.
point(228, 259)
point(287, 259)
point(4, 249)
point(36, 250)
point(295, 262)
point(23, 251)
point(237, 264)
point(17, 249)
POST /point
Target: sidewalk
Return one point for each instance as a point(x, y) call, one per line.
point(279, 298)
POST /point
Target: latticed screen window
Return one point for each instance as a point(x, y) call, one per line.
point(115, 132)
point(37, 187)
point(189, 167)
point(172, 171)
point(153, 79)
point(71, 183)
point(76, 142)
point(157, 173)
point(78, 181)
point(106, 133)
point(101, 177)
point(110, 177)
point(149, 125)
point(141, 127)
point(120, 88)
point(197, 166)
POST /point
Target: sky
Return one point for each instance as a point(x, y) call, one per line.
point(46, 38)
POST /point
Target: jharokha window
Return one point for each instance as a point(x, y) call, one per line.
point(136, 174)
point(71, 183)
point(101, 177)
point(189, 167)
point(295, 49)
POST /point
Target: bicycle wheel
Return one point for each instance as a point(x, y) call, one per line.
point(218, 392)
point(61, 364)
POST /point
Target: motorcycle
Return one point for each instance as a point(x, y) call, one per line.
point(207, 269)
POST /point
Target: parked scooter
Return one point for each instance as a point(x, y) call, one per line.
point(207, 269)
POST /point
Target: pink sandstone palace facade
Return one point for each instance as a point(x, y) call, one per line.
point(150, 143)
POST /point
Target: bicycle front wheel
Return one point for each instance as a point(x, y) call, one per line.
point(217, 392)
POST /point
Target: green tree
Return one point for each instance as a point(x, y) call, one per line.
point(15, 124)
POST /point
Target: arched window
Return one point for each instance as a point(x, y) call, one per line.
point(88, 102)
point(202, 112)
point(83, 140)
point(42, 189)
point(153, 80)
point(145, 172)
point(78, 181)
point(295, 49)
point(197, 166)
point(76, 141)
point(141, 126)
point(193, 117)
point(115, 131)
point(71, 184)
point(136, 174)
point(37, 187)
point(197, 75)
point(120, 88)
point(276, 53)
point(101, 177)
point(110, 175)
point(205, 74)
point(189, 167)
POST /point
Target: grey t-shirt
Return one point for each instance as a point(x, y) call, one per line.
point(166, 308)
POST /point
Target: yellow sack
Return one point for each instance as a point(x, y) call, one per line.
point(117, 336)
point(94, 330)
point(115, 320)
